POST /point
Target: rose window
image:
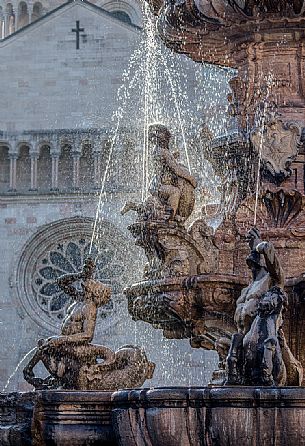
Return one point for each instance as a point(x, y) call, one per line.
point(68, 258)
point(61, 248)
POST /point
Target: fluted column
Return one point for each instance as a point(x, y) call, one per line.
point(13, 171)
point(34, 158)
point(97, 169)
point(55, 158)
point(76, 158)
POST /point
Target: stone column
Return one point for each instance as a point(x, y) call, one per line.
point(6, 23)
point(55, 158)
point(1, 25)
point(76, 158)
point(34, 158)
point(16, 19)
point(97, 169)
point(30, 11)
point(13, 165)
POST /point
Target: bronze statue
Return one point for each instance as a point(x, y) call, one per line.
point(259, 354)
point(172, 189)
point(71, 359)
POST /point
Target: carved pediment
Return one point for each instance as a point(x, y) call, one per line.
point(277, 143)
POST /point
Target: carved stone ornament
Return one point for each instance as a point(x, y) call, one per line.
point(277, 208)
point(251, 8)
point(277, 144)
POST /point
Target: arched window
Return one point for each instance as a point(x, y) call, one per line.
point(86, 168)
point(23, 14)
point(4, 169)
point(65, 169)
point(128, 11)
point(122, 15)
point(44, 169)
point(23, 173)
point(37, 11)
point(11, 18)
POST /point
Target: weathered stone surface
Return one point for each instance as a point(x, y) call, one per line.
point(73, 418)
point(248, 416)
point(220, 32)
point(16, 411)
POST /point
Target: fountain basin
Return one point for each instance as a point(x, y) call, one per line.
point(220, 416)
point(169, 304)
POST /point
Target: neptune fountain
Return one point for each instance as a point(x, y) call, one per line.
point(237, 289)
point(226, 290)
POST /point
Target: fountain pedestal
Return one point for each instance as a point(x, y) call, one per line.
point(73, 418)
point(16, 411)
point(56, 418)
point(220, 416)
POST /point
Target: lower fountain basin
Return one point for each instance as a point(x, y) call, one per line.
point(219, 416)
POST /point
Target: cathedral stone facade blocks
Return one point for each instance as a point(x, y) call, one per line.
point(56, 85)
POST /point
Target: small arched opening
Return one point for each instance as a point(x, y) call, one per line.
point(23, 169)
point(37, 11)
point(11, 18)
point(127, 11)
point(44, 169)
point(86, 168)
point(4, 169)
point(65, 169)
point(23, 14)
point(122, 15)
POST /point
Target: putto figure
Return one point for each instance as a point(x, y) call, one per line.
point(72, 361)
point(259, 354)
point(172, 189)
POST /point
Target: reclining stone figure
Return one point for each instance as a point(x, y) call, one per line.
point(72, 361)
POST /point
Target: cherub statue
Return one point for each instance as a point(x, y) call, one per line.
point(252, 301)
point(70, 358)
point(172, 189)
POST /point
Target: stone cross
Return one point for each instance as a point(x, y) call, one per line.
point(77, 30)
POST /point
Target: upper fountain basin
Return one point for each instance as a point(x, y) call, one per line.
point(215, 31)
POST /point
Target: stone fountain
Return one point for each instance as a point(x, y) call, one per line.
point(226, 290)
point(238, 290)
point(194, 275)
